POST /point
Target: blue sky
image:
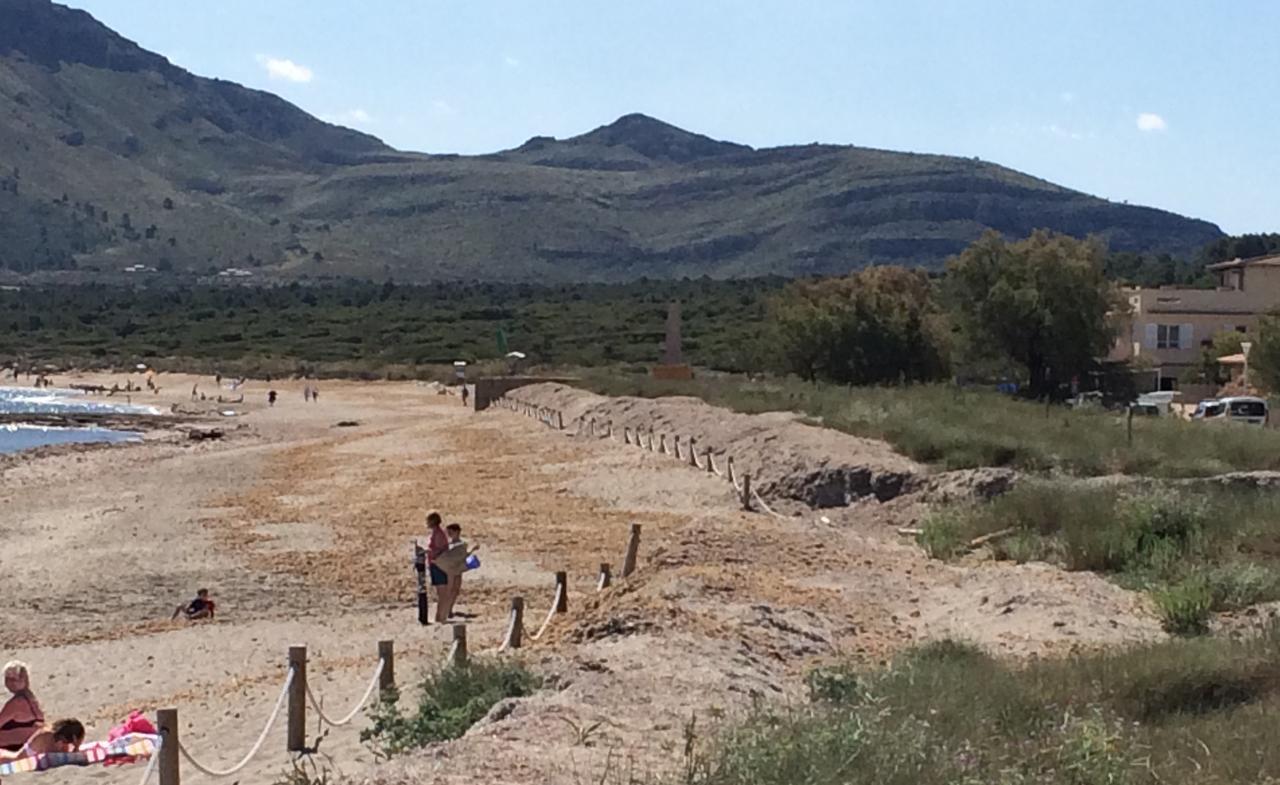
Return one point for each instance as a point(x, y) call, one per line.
point(1169, 103)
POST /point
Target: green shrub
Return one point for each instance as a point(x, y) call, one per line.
point(1185, 606)
point(450, 700)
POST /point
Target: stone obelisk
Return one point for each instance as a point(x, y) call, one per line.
point(673, 366)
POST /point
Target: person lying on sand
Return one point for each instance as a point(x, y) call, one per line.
point(64, 736)
point(21, 716)
point(200, 608)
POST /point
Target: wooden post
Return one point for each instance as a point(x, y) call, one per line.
point(516, 635)
point(675, 446)
point(633, 551)
point(1130, 425)
point(662, 444)
point(728, 470)
point(693, 453)
point(626, 435)
point(746, 492)
point(591, 427)
point(562, 592)
point(711, 467)
point(606, 576)
point(387, 653)
point(560, 418)
point(169, 763)
point(297, 734)
point(458, 654)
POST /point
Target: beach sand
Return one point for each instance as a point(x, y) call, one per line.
point(302, 531)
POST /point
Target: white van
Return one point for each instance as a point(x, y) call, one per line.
point(1240, 408)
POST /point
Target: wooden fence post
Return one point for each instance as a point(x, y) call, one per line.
point(562, 592)
point(606, 576)
point(516, 635)
point(458, 653)
point(711, 467)
point(693, 453)
point(169, 762)
point(297, 734)
point(662, 444)
point(387, 653)
point(746, 492)
point(633, 551)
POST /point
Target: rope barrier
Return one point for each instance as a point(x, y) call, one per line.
point(262, 737)
point(373, 685)
point(756, 497)
point(550, 614)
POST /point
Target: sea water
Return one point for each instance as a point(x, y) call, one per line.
point(26, 400)
point(16, 437)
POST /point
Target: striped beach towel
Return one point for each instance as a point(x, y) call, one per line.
point(135, 745)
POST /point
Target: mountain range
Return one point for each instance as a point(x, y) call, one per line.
point(111, 157)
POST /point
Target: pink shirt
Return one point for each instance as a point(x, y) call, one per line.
point(437, 543)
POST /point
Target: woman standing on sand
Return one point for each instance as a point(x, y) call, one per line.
point(21, 716)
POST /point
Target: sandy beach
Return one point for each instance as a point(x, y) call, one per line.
point(302, 530)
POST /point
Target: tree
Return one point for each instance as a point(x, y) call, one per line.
point(1042, 303)
point(1264, 355)
point(1209, 370)
point(880, 325)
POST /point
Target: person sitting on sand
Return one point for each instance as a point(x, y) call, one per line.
point(64, 736)
point(21, 716)
point(200, 608)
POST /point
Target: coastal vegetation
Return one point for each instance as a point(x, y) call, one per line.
point(1175, 712)
point(1196, 551)
point(449, 701)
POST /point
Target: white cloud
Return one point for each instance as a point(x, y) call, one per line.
point(1150, 121)
point(511, 62)
point(285, 69)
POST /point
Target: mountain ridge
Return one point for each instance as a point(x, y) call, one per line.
point(112, 157)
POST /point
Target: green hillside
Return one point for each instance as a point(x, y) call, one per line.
point(112, 157)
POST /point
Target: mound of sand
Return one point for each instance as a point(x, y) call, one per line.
point(785, 457)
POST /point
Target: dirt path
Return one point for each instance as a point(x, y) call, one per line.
point(303, 531)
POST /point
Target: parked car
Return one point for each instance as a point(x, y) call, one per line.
point(1240, 408)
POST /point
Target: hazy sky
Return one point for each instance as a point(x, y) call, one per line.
point(1171, 103)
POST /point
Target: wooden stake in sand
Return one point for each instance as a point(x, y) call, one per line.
point(606, 576)
point(562, 592)
point(297, 733)
point(387, 654)
point(458, 653)
point(168, 764)
point(633, 551)
point(515, 634)
point(746, 492)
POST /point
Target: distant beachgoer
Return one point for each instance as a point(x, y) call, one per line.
point(195, 391)
point(437, 544)
point(64, 736)
point(271, 398)
point(217, 379)
point(202, 607)
point(315, 393)
point(21, 716)
point(465, 394)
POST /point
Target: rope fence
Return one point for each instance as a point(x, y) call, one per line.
point(257, 745)
point(346, 720)
point(750, 498)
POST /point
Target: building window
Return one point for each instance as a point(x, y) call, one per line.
point(1240, 328)
point(1167, 336)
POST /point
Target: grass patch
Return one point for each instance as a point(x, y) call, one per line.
point(1197, 552)
point(450, 700)
point(1178, 712)
point(953, 428)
